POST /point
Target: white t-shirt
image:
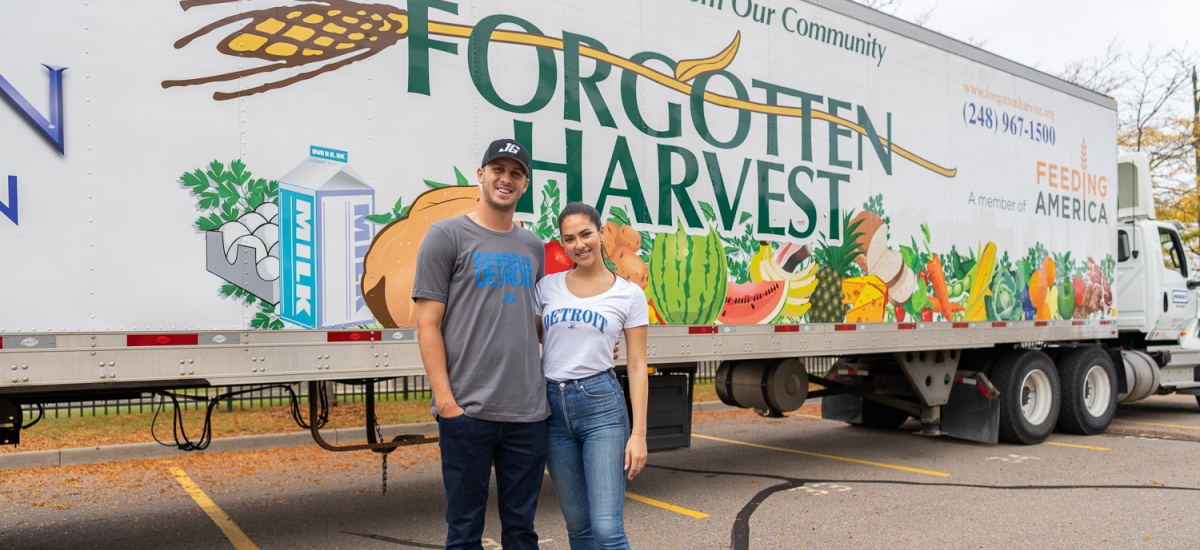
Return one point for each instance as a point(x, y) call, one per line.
point(579, 333)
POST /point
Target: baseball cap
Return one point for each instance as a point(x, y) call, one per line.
point(507, 148)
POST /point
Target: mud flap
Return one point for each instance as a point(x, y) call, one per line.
point(971, 415)
point(845, 407)
point(10, 422)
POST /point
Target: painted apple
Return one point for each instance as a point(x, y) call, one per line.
point(556, 258)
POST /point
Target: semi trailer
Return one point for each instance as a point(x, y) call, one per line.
point(214, 193)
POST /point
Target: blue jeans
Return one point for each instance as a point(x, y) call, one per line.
point(469, 449)
point(589, 427)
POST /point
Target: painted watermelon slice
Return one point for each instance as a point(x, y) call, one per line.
point(753, 303)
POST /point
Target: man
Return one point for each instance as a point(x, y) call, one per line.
point(474, 292)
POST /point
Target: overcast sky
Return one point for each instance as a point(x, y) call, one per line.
point(1047, 34)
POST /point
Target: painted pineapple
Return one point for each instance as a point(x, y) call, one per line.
point(836, 262)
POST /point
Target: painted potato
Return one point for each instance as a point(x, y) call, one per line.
point(391, 263)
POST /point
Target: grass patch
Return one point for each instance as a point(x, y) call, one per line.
point(704, 392)
point(88, 429)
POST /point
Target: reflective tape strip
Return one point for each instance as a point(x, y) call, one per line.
point(137, 340)
point(355, 336)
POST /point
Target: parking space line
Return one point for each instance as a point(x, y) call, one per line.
point(812, 416)
point(1176, 426)
point(665, 506)
point(831, 457)
point(1074, 446)
point(232, 531)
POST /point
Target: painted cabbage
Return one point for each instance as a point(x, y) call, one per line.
point(1004, 304)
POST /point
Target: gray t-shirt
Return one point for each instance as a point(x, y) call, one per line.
point(487, 280)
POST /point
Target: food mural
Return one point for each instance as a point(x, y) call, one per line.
point(849, 181)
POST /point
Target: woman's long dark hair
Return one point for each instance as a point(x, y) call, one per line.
point(576, 208)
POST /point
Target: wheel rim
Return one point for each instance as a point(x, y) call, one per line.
point(1097, 391)
point(1036, 397)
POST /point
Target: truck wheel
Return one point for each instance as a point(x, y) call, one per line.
point(875, 415)
point(1089, 395)
point(1029, 402)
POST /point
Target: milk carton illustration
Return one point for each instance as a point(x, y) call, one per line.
point(324, 237)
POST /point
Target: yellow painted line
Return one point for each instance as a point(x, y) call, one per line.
point(1176, 426)
point(665, 506)
point(831, 457)
point(232, 531)
point(812, 416)
point(1073, 446)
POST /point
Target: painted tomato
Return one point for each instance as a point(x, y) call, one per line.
point(556, 258)
point(1080, 290)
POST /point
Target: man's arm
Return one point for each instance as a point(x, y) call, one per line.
point(433, 355)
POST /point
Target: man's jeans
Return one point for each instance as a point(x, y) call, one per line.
point(588, 431)
point(469, 449)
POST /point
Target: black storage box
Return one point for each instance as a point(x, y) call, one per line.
point(669, 407)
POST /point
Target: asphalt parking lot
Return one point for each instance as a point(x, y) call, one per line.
point(746, 482)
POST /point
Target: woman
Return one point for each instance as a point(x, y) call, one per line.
point(592, 451)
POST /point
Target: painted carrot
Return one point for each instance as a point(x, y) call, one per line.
point(937, 276)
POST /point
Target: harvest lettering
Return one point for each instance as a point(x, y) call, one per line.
point(818, 175)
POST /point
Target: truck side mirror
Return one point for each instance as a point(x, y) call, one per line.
point(1122, 246)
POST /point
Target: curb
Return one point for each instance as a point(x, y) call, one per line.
point(143, 451)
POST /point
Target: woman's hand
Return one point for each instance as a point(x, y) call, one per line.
point(635, 455)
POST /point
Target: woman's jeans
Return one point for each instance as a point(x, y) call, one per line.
point(588, 429)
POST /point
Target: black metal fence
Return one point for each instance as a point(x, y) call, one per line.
point(399, 389)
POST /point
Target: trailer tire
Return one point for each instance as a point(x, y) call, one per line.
point(1029, 396)
point(876, 415)
point(1089, 393)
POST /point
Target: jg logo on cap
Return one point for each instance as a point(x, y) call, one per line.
point(506, 148)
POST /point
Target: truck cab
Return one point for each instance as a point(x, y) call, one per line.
point(1156, 297)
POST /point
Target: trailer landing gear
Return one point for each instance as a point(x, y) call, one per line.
point(885, 391)
point(374, 437)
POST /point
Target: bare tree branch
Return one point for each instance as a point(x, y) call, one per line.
point(977, 42)
point(922, 18)
point(1154, 112)
point(1102, 73)
point(886, 6)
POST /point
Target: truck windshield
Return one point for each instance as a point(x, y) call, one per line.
point(1172, 255)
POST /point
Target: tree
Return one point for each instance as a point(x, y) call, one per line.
point(1155, 117)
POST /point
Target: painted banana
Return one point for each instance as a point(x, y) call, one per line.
point(801, 284)
point(764, 257)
